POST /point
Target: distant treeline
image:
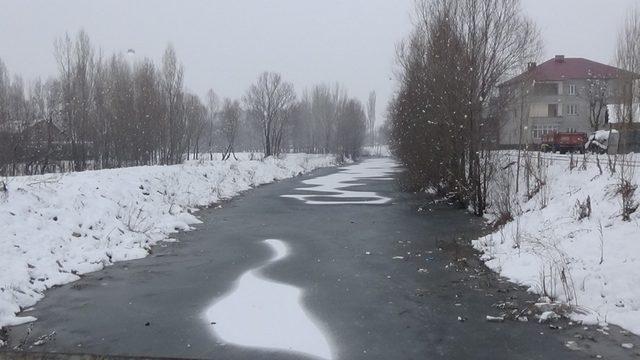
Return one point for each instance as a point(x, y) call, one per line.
point(113, 111)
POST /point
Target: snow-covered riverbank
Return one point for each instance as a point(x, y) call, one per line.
point(569, 240)
point(57, 227)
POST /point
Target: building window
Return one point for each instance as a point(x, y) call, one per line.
point(538, 131)
point(572, 90)
point(573, 109)
point(552, 110)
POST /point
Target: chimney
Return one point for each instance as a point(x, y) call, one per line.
point(560, 59)
point(531, 66)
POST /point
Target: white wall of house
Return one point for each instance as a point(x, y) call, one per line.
point(558, 106)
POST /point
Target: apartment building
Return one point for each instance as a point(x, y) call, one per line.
point(558, 96)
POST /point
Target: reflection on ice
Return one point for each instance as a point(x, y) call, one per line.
point(262, 313)
point(333, 186)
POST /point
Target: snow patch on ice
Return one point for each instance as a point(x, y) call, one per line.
point(334, 186)
point(262, 313)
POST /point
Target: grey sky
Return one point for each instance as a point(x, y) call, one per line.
point(579, 28)
point(224, 45)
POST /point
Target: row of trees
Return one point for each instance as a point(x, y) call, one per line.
point(443, 117)
point(113, 111)
point(326, 120)
point(99, 112)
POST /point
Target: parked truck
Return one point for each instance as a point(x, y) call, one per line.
point(564, 142)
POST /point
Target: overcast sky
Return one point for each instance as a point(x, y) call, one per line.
point(225, 44)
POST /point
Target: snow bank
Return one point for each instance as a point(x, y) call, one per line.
point(57, 227)
point(593, 263)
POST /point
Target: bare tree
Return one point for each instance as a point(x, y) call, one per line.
point(212, 114)
point(75, 63)
point(172, 86)
point(5, 128)
point(230, 121)
point(628, 86)
point(83, 88)
point(303, 130)
point(371, 117)
point(520, 98)
point(626, 187)
point(596, 93)
point(149, 112)
point(324, 112)
point(4, 84)
point(628, 58)
point(445, 111)
point(269, 102)
point(325, 102)
point(351, 130)
point(195, 118)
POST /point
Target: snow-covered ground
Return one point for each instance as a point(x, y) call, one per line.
point(592, 263)
point(57, 227)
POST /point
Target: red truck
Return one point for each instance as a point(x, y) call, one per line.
point(564, 142)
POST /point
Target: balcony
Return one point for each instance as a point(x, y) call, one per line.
point(546, 88)
point(546, 111)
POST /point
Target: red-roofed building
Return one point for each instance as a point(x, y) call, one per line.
point(561, 95)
